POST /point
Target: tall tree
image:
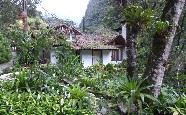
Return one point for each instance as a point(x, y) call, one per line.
point(10, 9)
point(137, 18)
point(162, 43)
point(177, 58)
point(132, 32)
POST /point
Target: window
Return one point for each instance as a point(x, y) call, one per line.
point(117, 55)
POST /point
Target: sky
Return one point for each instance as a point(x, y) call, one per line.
point(66, 9)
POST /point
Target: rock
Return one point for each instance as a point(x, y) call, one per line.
point(103, 111)
point(122, 108)
point(98, 114)
point(5, 77)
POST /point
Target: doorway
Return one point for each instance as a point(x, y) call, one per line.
point(96, 56)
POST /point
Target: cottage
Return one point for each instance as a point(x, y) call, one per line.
point(68, 32)
point(96, 48)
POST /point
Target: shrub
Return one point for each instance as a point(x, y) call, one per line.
point(170, 103)
point(69, 65)
point(5, 52)
point(39, 103)
point(134, 95)
point(35, 92)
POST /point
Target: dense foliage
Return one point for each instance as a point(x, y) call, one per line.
point(5, 51)
point(10, 10)
point(101, 13)
point(38, 87)
point(109, 13)
point(99, 89)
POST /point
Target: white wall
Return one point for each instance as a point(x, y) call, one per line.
point(124, 31)
point(106, 56)
point(53, 57)
point(124, 34)
point(86, 57)
point(70, 36)
point(125, 53)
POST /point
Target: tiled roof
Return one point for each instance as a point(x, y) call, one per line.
point(93, 41)
point(65, 29)
point(98, 40)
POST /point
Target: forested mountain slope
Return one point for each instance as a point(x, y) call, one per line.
point(101, 13)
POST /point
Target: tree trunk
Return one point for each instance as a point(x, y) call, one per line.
point(132, 32)
point(162, 44)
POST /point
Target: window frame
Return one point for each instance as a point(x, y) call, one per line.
point(117, 55)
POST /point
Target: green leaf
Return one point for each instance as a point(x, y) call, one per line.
point(142, 97)
point(152, 98)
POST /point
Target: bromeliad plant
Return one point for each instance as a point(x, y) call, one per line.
point(133, 94)
point(170, 103)
point(80, 100)
point(161, 27)
point(137, 16)
point(179, 108)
